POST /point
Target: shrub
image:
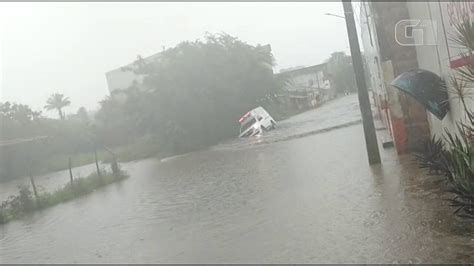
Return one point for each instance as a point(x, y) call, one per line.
point(455, 161)
point(454, 158)
point(18, 205)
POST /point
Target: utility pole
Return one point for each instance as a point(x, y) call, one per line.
point(364, 102)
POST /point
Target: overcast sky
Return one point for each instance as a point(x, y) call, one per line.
point(68, 47)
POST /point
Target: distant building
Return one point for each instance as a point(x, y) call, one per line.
point(291, 68)
point(306, 87)
point(123, 77)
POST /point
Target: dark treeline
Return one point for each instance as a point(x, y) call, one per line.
point(65, 137)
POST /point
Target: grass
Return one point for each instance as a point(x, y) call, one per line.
point(25, 202)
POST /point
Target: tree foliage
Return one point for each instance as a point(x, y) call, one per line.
point(57, 102)
point(18, 121)
point(191, 95)
point(341, 73)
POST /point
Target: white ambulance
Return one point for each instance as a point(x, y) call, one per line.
point(255, 122)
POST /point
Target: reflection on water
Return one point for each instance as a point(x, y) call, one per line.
point(309, 199)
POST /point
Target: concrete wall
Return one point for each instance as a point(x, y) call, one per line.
point(371, 48)
point(313, 80)
point(122, 78)
point(312, 77)
point(118, 79)
point(387, 59)
point(307, 87)
point(437, 58)
point(435, 53)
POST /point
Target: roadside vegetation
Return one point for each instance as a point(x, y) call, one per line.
point(27, 201)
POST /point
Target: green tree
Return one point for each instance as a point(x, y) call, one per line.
point(16, 120)
point(57, 102)
point(192, 95)
point(82, 114)
point(341, 73)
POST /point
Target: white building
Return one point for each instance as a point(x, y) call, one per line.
point(123, 77)
point(430, 48)
point(442, 56)
point(307, 86)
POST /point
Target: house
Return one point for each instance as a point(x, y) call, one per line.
point(306, 87)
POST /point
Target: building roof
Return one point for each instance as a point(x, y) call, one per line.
point(305, 70)
point(147, 59)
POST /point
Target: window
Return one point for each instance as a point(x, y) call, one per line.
point(247, 124)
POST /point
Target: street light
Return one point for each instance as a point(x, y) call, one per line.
point(364, 102)
point(337, 16)
point(334, 15)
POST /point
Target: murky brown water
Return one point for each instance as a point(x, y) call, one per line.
point(276, 199)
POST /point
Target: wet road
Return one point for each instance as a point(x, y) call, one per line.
point(298, 194)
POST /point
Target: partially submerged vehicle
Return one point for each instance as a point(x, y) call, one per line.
point(255, 122)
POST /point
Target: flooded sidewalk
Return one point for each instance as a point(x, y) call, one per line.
point(308, 199)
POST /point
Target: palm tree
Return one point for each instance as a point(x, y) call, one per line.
point(57, 101)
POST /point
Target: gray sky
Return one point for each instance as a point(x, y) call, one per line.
point(68, 47)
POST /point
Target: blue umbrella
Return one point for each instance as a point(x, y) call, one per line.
point(427, 88)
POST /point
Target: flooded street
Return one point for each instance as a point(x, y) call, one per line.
point(277, 198)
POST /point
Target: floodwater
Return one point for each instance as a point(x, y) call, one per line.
point(49, 182)
point(300, 194)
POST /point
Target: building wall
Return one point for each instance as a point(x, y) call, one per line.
point(307, 87)
point(313, 80)
point(123, 77)
point(437, 58)
point(373, 62)
point(306, 78)
point(440, 56)
point(119, 79)
point(387, 59)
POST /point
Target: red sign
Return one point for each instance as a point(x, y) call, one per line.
point(455, 12)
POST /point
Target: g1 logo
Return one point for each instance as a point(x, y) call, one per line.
point(415, 32)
